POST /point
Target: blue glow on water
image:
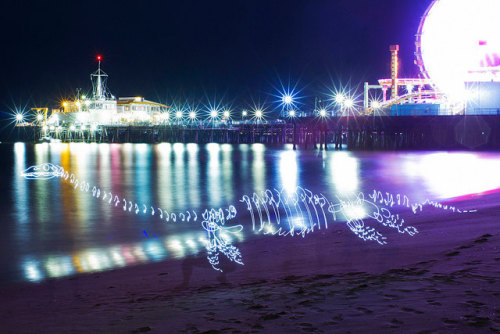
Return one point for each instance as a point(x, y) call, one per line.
point(55, 231)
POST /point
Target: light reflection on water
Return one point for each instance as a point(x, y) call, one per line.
point(51, 230)
point(288, 170)
point(98, 259)
point(344, 173)
point(21, 194)
point(455, 174)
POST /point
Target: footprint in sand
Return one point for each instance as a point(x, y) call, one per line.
point(483, 238)
point(450, 323)
point(476, 321)
point(395, 323)
point(453, 254)
point(433, 302)
point(411, 310)
point(364, 310)
point(475, 304)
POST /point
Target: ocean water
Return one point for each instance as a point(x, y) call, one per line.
point(53, 228)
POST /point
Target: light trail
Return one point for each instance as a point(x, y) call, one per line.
point(285, 212)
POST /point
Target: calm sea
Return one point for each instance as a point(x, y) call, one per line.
point(50, 229)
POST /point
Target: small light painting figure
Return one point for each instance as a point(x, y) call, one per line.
point(42, 172)
point(213, 222)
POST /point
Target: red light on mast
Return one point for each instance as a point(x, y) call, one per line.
point(99, 57)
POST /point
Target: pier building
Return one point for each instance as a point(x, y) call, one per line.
point(103, 109)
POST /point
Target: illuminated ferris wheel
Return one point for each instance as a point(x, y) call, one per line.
point(458, 41)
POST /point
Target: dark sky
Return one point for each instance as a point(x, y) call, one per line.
point(236, 49)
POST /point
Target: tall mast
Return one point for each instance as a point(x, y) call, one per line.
point(100, 82)
point(99, 92)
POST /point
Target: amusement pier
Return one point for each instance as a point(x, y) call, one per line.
point(450, 105)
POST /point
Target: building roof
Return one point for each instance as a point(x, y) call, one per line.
point(139, 100)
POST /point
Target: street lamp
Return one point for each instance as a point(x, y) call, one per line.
point(339, 98)
point(288, 102)
point(178, 116)
point(375, 104)
point(259, 114)
point(349, 103)
point(19, 118)
point(287, 99)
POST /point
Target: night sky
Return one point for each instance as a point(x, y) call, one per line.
point(235, 50)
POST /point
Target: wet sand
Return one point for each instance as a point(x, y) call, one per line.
point(444, 279)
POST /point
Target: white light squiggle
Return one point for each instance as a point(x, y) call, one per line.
point(283, 213)
point(276, 212)
point(42, 172)
point(213, 222)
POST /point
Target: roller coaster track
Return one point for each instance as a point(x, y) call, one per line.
point(422, 95)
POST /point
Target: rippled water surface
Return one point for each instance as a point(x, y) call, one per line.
point(52, 230)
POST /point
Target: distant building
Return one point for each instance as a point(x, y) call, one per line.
point(102, 108)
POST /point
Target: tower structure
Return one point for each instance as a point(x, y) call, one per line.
point(99, 79)
point(394, 70)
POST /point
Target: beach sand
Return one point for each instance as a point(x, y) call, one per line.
point(444, 279)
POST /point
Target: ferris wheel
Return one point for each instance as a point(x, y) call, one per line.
point(458, 42)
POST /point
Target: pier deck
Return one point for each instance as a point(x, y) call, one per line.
point(353, 133)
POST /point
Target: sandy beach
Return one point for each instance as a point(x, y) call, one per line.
point(444, 279)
